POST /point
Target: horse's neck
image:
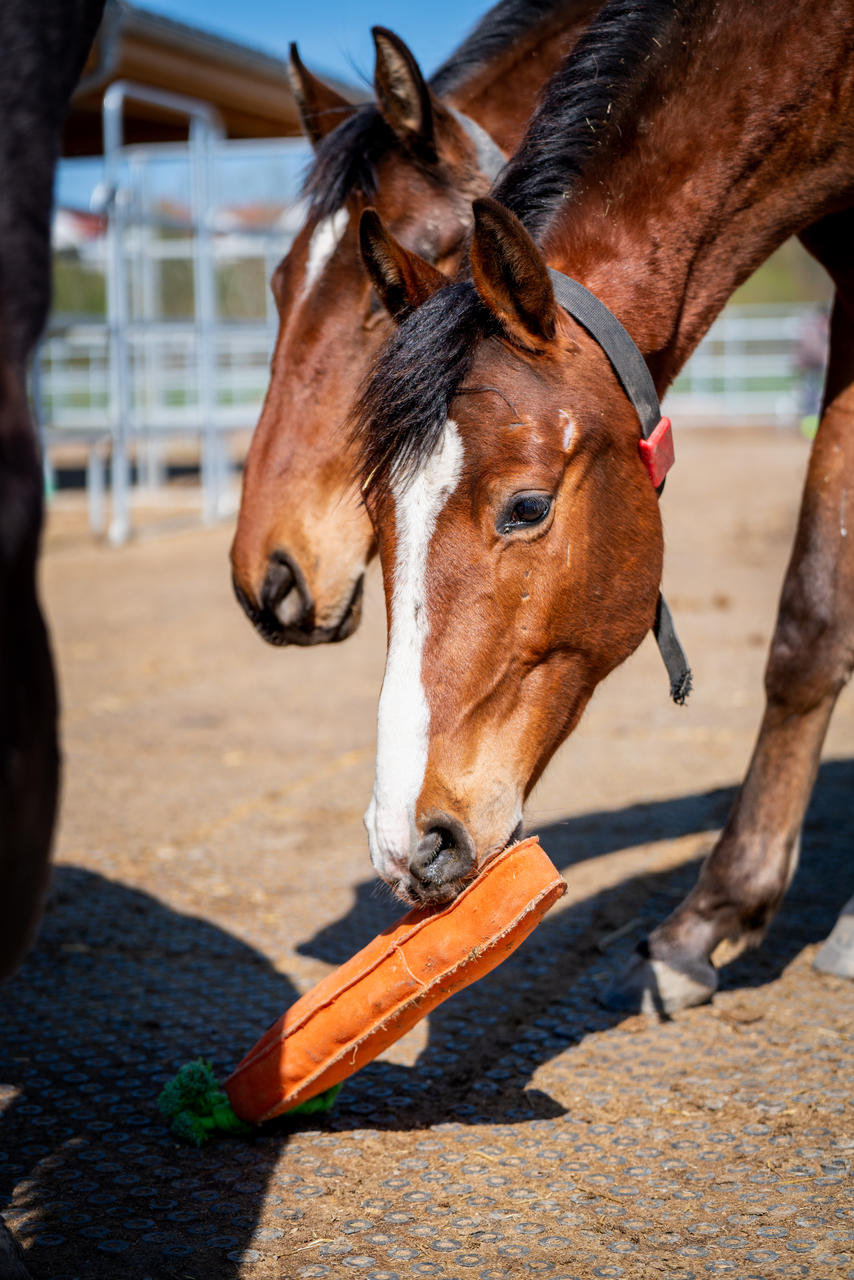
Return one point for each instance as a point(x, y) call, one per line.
point(751, 141)
point(502, 94)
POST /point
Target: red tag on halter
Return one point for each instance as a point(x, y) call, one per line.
point(657, 452)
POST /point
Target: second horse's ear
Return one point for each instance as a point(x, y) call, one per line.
point(510, 275)
point(402, 92)
point(321, 108)
point(402, 279)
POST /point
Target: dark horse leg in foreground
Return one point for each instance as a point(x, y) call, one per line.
point(812, 655)
point(43, 44)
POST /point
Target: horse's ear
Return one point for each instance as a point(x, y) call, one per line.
point(402, 92)
point(402, 279)
point(321, 108)
point(510, 275)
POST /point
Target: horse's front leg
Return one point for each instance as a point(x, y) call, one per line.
point(744, 878)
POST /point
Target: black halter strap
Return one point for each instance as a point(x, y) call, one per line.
point(490, 158)
point(633, 373)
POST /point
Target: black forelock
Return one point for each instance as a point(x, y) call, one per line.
point(346, 161)
point(404, 401)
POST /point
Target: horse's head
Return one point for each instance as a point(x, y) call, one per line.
point(521, 547)
point(303, 538)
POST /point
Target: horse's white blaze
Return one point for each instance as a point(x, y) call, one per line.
point(324, 241)
point(403, 720)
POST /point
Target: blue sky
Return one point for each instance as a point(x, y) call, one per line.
point(333, 35)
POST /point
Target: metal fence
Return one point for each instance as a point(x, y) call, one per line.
point(75, 384)
point(756, 364)
point(748, 369)
point(167, 362)
point(157, 368)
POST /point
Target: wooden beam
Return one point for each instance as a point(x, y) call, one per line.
point(248, 88)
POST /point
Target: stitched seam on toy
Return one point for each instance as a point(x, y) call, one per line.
point(416, 928)
point(418, 981)
point(275, 1045)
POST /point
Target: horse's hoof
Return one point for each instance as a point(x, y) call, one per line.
point(836, 954)
point(648, 985)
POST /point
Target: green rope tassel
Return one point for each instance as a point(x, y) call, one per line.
point(320, 1102)
point(198, 1108)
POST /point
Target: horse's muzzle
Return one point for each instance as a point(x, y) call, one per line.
point(285, 612)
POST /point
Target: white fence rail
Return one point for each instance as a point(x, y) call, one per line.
point(756, 364)
point(163, 368)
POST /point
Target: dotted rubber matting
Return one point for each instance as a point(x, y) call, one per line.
point(537, 1134)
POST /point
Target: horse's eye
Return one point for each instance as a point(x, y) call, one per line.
point(527, 510)
point(530, 510)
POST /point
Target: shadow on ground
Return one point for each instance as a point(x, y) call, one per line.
point(121, 990)
point(567, 843)
point(532, 993)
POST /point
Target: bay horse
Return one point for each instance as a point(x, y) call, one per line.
point(519, 531)
point(420, 154)
point(43, 45)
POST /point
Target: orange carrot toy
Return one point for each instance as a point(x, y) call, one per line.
point(364, 1006)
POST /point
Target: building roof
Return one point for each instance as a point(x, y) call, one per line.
point(249, 89)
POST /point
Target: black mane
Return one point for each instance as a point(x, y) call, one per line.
point(406, 398)
point(501, 28)
point(589, 98)
point(346, 159)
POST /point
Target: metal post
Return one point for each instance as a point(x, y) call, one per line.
point(205, 307)
point(204, 120)
point(117, 318)
point(96, 488)
point(153, 469)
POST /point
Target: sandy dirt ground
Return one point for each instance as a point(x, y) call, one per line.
point(211, 865)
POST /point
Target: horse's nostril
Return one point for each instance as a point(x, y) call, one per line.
point(444, 839)
point(277, 583)
point(431, 846)
point(444, 853)
point(282, 593)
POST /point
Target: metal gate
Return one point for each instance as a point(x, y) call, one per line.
point(129, 386)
